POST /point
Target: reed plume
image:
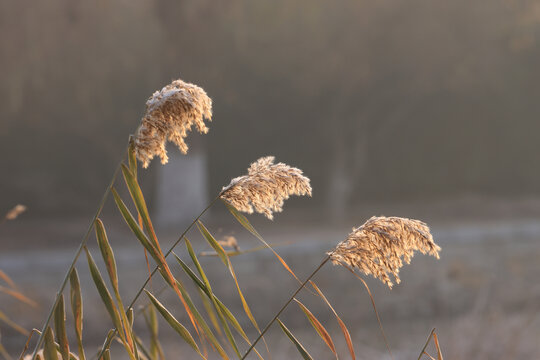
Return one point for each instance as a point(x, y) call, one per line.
point(266, 187)
point(381, 244)
point(170, 114)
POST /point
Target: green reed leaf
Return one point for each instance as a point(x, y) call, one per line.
point(134, 226)
point(106, 355)
point(150, 318)
point(107, 253)
point(107, 344)
point(202, 323)
point(138, 199)
point(132, 157)
point(225, 259)
point(226, 312)
point(209, 310)
point(296, 343)
point(226, 328)
point(175, 324)
point(60, 327)
point(104, 292)
point(49, 347)
point(77, 309)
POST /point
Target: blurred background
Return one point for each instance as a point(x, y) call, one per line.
point(425, 109)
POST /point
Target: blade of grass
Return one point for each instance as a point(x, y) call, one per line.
point(132, 157)
point(226, 312)
point(226, 328)
point(60, 327)
point(49, 349)
point(104, 292)
point(106, 345)
point(150, 318)
point(138, 198)
point(210, 311)
point(175, 324)
point(180, 238)
point(144, 350)
point(109, 303)
point(207, 332)
point(342, 325)
point(110, 263)
point(76, 257)
point(323, 333)
point(225, 259)
point(77, 309)
point(295, 341)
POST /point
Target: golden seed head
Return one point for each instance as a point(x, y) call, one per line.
point(380, 246)
point(170, 114)
point(266, 187)
point(15, 212)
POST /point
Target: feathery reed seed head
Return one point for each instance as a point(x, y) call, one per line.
point(266, 187)
point(15, 212)
point(380, 246)
point(170, 114)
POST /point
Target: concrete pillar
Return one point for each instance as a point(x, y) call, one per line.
point(182, 187)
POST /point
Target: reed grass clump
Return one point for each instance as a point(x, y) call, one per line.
point(265, 187)
point(381, 245)
point(170, 113)
point(378, 248)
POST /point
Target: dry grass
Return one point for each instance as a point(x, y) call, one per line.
point(378, 247)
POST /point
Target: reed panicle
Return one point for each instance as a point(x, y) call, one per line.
point(381, 245)
point(266, 187)
point(170, 114)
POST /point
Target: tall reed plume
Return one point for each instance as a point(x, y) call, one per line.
point(380, 246)
point(170, 114)
point(266, 187)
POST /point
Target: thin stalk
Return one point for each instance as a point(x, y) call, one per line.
point(284, 306)
point(141, 289)
point(77, 254)
point(427, 343)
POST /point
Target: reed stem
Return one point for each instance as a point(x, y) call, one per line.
point(285, 306)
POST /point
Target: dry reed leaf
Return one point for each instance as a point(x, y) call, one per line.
point(15, 212)
point(266, 187)
point(381, 244)
point(170, 114)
